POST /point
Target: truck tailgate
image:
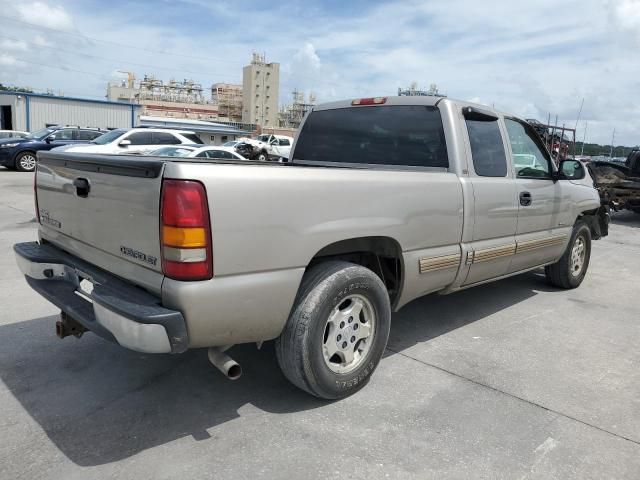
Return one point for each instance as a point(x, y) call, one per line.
point(105, 210)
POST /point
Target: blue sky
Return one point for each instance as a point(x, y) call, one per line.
point(529, 58)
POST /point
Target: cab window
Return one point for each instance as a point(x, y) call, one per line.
point(487, 147)
point(530, 159)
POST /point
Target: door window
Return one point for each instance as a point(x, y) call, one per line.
point(88, 134)
point(284, 142)
point(140, 138)
point(163, 138)
point(65, 134)
point(487, 148)
point(530, 160)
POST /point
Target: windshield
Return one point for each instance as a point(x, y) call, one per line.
point(264, 138)
point(109, 137)
point(40, 134)
point(172, 152)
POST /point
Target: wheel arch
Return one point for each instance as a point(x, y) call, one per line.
point(597, 220)
point(381, 254)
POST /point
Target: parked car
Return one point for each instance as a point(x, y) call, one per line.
point(269, 147)
point(384, 200)
point(136, 141)
point(198, 151)
point(12, 134)
point(20, 153)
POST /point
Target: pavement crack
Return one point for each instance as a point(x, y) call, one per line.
point(530, 402)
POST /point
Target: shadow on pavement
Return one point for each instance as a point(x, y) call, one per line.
point(100, 403)
point(434, 315)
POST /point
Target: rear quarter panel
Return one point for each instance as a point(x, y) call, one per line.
point(269, 221)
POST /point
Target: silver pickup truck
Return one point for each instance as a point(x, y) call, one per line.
point(384, 200)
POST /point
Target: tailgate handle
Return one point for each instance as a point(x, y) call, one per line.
point(82, 187)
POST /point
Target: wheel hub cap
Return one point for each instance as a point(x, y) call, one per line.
point(578, 254)
point(348, 334)
point(28, 162)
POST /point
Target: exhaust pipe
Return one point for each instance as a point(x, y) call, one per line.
point(223, 362)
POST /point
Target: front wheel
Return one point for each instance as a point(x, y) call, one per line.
point(570, 270)
point(262, 156)
point(337, 331)
point(26, 162)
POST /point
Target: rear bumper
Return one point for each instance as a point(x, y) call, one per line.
point(117, 310)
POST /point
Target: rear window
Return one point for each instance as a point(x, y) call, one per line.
point(382, 135)
point(192, 137)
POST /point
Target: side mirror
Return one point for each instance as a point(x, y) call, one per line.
point(571, 170)
point(50, 138)
point(124, 143)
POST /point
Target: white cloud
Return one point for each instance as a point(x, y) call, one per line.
point(40, 41)
point(307, 58)
point(7, 60)
point(529, 58)
point(40, 13)
point(13, 45)
point(626, 14)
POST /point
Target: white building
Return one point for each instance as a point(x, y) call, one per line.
point(260, 90)
point(33, 111)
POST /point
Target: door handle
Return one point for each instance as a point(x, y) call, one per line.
point(525, 199)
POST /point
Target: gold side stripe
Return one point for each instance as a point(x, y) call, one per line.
point(493, 253)
point(529, 245)
point(444, 262)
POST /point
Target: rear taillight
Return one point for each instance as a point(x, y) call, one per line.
point(35, 192)
point(185, 231)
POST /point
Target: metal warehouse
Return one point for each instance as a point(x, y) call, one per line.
point(32, 111)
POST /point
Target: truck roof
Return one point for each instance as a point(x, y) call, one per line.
point(406, 100)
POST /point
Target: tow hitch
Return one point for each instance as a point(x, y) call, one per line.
point(67, 326)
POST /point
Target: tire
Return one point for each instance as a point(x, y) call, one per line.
point(26, 162)
point(320, 315)
point(262, 156)
point(570, 270)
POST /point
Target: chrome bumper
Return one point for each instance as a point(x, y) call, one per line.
point(113, 309)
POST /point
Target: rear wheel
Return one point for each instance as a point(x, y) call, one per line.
point(337, 331)
point(570, 270)
point(26, 162)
